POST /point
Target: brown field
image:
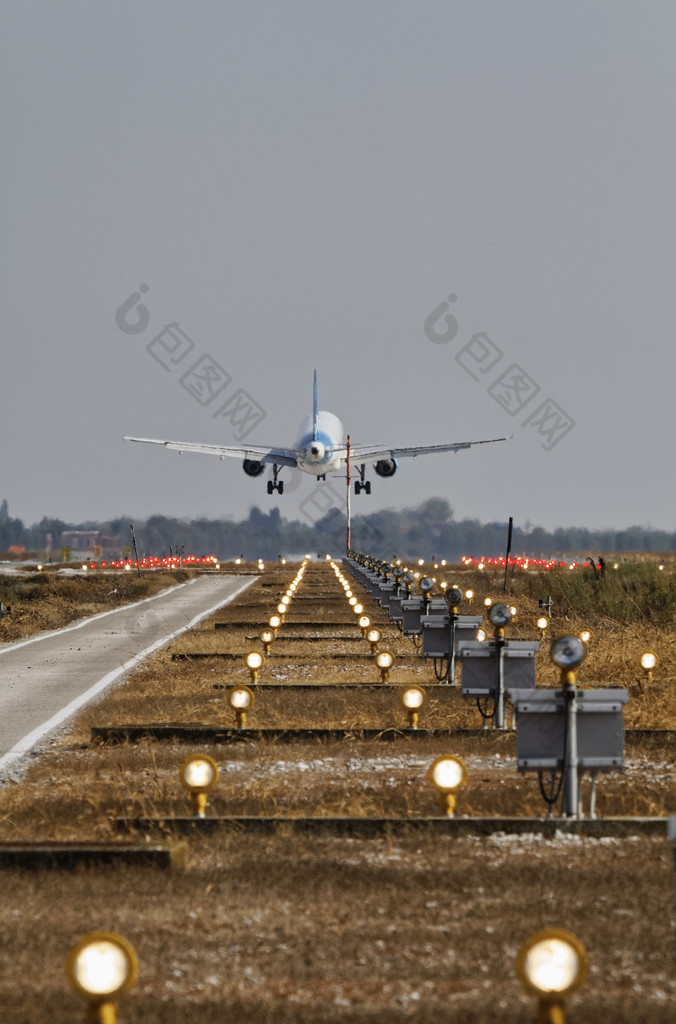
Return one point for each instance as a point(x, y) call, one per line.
point(413, 926)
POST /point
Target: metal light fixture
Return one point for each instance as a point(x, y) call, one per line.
point(364, 624)
point(254, 662)
point(543, 625)
point(500, 615)
point(100, 968)
point(447, 774)
point(586, 636)
point(384, 661)
point(281, 609)
point(648, 663)
point(453, 597)
point(481, 634)
point(413, 698)
point(551, 965)
point(240, 700)
point(374, 636)
point(357, 609)
point(426, 585)
point(274, 622)
point(469, 594)
point(266, 636)
point(488, 601)
point(199, 774)
point(568, 653)
point(352, 601)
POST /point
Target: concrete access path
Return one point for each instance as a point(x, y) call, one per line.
point(47, 678)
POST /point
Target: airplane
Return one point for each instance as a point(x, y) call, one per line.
point(321, 448)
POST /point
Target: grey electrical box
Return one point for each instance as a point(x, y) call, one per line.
point(480, 666)
point(541, 728)
point(386, 591)
point(436, 633)
point(415, 608)
point(394, 608)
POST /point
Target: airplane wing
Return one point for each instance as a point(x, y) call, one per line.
point(360, 452)
point(258, 453)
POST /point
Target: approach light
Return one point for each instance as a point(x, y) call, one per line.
point(481, 634)
point(84, 568)
point(469, 594)
point(421, 561)
point(384, 661)
point(551, 965)
point(127, 567)
point(660, 567)
point(488, 601)
point(353, 601)
point(364, 624)
point(568, 652)
point(39, 567)
point(648, 663)
point(443, 561)
point(357, 608)
point(348, 592)
point(100, 968)
point(218, 565)
point(543, 625)
point(513, 609)
point(586, 636)
point(282, 609)
point(240, 700)
point(238, 561)
point(413, 698)
point(286, 601)
point(274, 622)
point(426, 584)
point(447, 774)
point(500, 615)
point(266, 636)
point(453, 596)
point(199, 774)
point(254, 662)
point(374, 636)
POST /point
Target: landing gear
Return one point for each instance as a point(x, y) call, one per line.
point(362, 484)
point(275, 484)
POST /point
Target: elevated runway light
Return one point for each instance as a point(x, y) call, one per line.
point(384, 661)
point(469, 594)
point(427, 585)
point(254, 662)
point(348, 592)
point(648, 663)
point(413, 698)
point(551, 965)
point(500, 615)
point(488, 601)
point(543, 625)
point(447, 774)
point(586, 636)
point(421, 561)
point(481, 634)
point(453, 598)
point(100, 968)
point(374, 636)
point(199, 774)
point(240, 700)
point(568, 653)
point(281, 609)
point(274, 622)
point(364, 624)
point(286, 601)
point(357, 609)
point(353, 601)
point(266, 636)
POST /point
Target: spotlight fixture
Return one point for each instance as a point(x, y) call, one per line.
point(199, 774)
point(453, 597)
point(274, 622)
point(413, 698)
point(448, 774)
point(648, 663)
point(500, 615)
point(100, 968)
point(374, 636)
point(266, 636)
point(551, 965)
point(240, 700)
point(364, 624)
point(254, 662)
point(568, 653)
point(384, 661)
point(543, 625)
point(426, 585)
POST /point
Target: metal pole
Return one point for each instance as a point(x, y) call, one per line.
point(348, 502)
point(570, 763)
point(499, 719)
point(133, 540)
point(509, 551)
point(450, 676)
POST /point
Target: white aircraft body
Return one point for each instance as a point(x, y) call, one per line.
point(321, 448)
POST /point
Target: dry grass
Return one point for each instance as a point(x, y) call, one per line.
point(327, 929)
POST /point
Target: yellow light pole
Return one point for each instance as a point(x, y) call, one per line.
point(448, 774)
point(100, 968)
point(551, 965)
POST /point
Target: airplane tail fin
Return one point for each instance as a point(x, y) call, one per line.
point(314, 410)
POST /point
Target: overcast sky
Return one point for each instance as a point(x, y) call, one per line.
point(304, 184)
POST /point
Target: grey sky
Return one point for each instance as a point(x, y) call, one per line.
point(300, 185)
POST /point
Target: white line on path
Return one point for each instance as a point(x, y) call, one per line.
point(28, 742)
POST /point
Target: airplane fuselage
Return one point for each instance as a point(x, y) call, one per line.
point(321, 444)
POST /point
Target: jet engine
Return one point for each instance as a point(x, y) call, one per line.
point(386, 467)
point(252, 467)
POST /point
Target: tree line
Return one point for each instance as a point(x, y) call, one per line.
point(427, 531)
